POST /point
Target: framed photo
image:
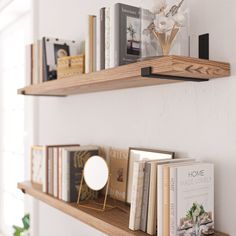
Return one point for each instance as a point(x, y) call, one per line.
point(60, 51)
point(142, 154)
point(119, 173)
point(37, 156)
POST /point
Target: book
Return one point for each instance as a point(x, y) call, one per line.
point(102, 38)
point(73, 161)
point(128, 27)
point(152, 199)
point(144, 211)
point(90, 45)
point(119, 173)
point(136, 196)
point(94, 43)
point(160, 189)
point(193, 201)
point(107, 38)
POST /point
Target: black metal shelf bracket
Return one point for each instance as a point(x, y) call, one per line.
point(147, 72)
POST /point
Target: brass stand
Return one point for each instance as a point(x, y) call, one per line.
point(104, 204)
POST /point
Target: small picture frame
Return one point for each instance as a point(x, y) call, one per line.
point(141, 154)
point(37, 156)
point(61, 50)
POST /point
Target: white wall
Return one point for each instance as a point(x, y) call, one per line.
point(193, 119)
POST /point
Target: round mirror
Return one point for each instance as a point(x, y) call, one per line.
point(96, 173)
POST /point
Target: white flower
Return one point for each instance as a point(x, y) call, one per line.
point(160, 6)
point(180, 18)
point(164, 24)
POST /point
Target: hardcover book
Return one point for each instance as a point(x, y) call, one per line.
point(74, 165)
point(192, 188)
point(128, 33)
point(136, 196)
point(119, 173)
point(102, 38)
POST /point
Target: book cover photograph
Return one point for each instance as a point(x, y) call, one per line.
point(195, 200)
point(118, 169)
point(128, 23)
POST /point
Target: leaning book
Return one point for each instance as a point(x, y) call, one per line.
point(192, 199)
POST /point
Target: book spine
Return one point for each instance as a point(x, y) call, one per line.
point(63, 175)
point(143, 224)
point(44, 170)
point(136, 196)
point(107, 38)
point(159, 200)
point(166, 201)
point(102, 38)
point(173, 197)
point(151, 222)
point(40, 61)
point(112, 37)
point(55, 173)
point(94, 43)
point(68, 176)
point(44, 58)
point(91, 44)
point(59, 172)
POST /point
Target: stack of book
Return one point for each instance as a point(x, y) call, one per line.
point(173, 197)
point(114, 37)
point(62, 171)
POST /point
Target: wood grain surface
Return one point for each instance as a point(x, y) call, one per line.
point(129, 76)
point(111, 222)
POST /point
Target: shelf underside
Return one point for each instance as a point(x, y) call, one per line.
point(111, 222)
point(129, 76)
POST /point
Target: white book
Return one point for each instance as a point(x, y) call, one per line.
point(136, 196)
point(195, 194)
point(159, 200)
point(44, 174)
point(95, 43)
point(173, 197)
point(107, 38)
point(114, 50)
point(55, 171)
point(98, 43)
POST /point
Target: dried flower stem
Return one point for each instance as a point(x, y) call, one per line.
point(166, 40)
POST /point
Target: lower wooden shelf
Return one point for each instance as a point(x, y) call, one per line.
point(111, 222)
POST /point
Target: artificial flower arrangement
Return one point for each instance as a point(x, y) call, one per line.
point(167, 24)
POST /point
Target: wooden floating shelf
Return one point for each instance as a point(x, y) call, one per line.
point(129, 76)
point(111, 222)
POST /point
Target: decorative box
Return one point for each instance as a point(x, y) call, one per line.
point(69, 66)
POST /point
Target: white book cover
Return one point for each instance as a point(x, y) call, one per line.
point(107, 37)
point(159, 200)
point(136, 196)
point(45, 170)
point(55, 171)
point(195, 199)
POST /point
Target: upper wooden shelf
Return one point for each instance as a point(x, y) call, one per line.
point(129, 76)
point(111, 222)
